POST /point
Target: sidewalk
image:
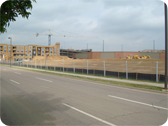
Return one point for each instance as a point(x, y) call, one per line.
point(103, 78)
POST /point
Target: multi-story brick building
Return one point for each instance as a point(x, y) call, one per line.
point(27, 52)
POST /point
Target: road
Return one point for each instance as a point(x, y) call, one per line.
point(33, 98)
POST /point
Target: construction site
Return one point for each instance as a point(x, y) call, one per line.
point(139, 69)
point(142, 65)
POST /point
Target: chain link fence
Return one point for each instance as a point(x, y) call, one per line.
point(138, 70)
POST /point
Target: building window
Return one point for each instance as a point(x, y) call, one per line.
point(4, 50)
point(18, 47)
point(42, 54)
point(25, 51)
point(42, 51)
point(54, 51)
point(58, 52)
point(29, 58)
point(57, 48)
point(17, 51)
point(21, 51)
point(42, 48)
point(25, 47)
point(26, 55)
point(51, 48)
point(30, 47)
point(22, 55)
point(21, 47)
point(9, 47)
point(4, 47)
point(9, 51)
point(30, 55)
point(17, 54)
point(30, 51)
point(50, 51)
point(54, 48)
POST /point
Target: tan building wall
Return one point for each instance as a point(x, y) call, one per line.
point(107, 55)
point(153, 55)
point(83, 55)
point(94, 55)
point(28, 51)
point(162, 55)
point(123, 55)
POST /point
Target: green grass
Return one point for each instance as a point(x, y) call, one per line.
point(115, 83)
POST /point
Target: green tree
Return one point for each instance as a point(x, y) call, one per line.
point(11, 9)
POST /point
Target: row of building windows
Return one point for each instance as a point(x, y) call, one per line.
point(30, 55)
point(31, 51)
point(27, 55)
point(30, 47)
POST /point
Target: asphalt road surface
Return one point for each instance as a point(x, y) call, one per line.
point(33, 98)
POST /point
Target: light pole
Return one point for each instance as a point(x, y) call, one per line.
point(166, 47)
point(10, 49)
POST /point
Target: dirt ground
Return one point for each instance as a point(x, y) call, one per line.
point(118, 65)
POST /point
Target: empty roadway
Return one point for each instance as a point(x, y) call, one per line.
point(33, 98)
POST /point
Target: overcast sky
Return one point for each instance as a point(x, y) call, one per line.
point(135, 24)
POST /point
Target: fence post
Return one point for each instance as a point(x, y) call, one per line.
point(73, 66)
point(157, 71)
point(54, 65)
point(63, 65)
point(126, 69)
point(87, 66)
point(104, 69)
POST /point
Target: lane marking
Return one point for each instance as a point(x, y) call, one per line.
point(101, 120)
point(17, 73)
point(14, 81)
point(43, 79)
point(138, 102)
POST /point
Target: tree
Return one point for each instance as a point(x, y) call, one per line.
point(11, 9)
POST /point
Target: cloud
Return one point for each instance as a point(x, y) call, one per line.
point(128, 22)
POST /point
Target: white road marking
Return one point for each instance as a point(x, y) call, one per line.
point(138, 102)
point(43, 79)
point(14, 81)
point(17, 73)
point(101, 120)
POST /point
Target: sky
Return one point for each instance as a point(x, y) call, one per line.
point(128, 25)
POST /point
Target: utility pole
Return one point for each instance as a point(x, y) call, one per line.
point(166, 47)
point(153, 45)
point(10, 49)
point(103, 45)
